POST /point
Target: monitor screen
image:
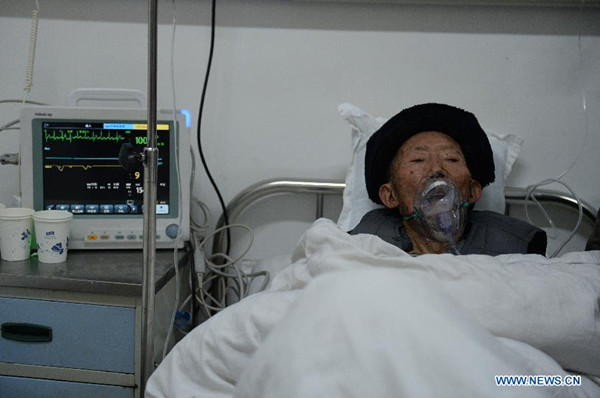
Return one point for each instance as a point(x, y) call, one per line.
point(86, 153)
point(70, 161)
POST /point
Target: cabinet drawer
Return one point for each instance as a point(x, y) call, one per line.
point(22, 387)
point(83, 336)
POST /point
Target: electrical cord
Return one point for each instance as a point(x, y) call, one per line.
point(219, 269)
point(531, 188)
point(222, 273)
point(227, 270)
point(200, 114)
point(18, 101)
point(180, 199)
point(212, 275)
point(201, 228)
point(8, 126)
point(175, 305)
point(32, 46)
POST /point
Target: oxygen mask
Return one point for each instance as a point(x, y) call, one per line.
point(439, 211)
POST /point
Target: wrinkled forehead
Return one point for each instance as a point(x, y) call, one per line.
point(429, 141)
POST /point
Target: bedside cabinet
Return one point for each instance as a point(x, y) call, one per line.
point(74, 329)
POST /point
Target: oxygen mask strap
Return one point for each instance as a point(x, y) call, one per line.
point(417, 214)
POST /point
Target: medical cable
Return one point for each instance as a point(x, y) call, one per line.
point(201, 228)
point(224, 275)
point(175, 306)
point(180, 199)
point(196, 228)
point(8, 126)
point(200, 114)
point(583, 97)
point(20, 101)
point(214, 272)
point(220, 272)
point(533, 187)
point(198, 231)
point(529, 193)
point(218, 268)
point(32, 46)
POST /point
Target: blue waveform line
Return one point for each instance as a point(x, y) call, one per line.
point(74, 158)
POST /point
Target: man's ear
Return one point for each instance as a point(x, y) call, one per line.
point(387, 196)
point(475, 191)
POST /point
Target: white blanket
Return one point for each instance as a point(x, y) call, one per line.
point(355, 316)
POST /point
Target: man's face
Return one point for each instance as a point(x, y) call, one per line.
point(423, 155)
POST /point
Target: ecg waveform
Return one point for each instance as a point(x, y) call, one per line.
point(62, 167)
point(82, 135)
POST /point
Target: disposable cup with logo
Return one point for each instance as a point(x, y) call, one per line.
point(15, 233)
point(52, 235)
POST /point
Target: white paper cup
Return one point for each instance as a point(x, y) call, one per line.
point(52, 235)
point(15, 233)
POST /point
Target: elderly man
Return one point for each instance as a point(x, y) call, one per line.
point(428, 165)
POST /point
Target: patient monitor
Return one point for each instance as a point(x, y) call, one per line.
point(69, 160)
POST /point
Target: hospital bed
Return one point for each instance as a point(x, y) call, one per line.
point(352, 316)
point(329, 192)
point(232, 350)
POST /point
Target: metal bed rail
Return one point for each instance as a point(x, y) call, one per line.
point(320, 188)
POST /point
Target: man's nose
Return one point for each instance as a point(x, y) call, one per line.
point(436, 167)
point(436, 175)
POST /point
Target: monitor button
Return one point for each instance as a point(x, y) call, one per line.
point(162, 209)
point(106, 209)
point(63, 207)
point(121, 209)
point(77, 209)
point(92, 209)
point(172, 231)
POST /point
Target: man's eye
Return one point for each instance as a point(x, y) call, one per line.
point(417, 160)
point(453, 160)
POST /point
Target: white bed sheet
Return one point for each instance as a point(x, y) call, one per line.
point(447, 323)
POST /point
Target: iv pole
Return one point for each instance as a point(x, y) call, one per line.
point(149, 157)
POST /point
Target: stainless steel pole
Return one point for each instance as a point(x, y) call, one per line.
point(150, 182)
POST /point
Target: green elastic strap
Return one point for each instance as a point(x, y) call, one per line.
point(415, 216)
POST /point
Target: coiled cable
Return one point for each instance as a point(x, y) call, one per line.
point(32, 46)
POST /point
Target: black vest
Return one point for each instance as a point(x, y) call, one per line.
point(486, 232)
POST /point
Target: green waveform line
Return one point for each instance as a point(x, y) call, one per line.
point(83, 135)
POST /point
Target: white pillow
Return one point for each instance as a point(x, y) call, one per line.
point(356, 202)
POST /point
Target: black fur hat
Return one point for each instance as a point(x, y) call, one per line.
point(459, 124)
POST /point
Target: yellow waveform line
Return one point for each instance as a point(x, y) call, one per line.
point(83, 166)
